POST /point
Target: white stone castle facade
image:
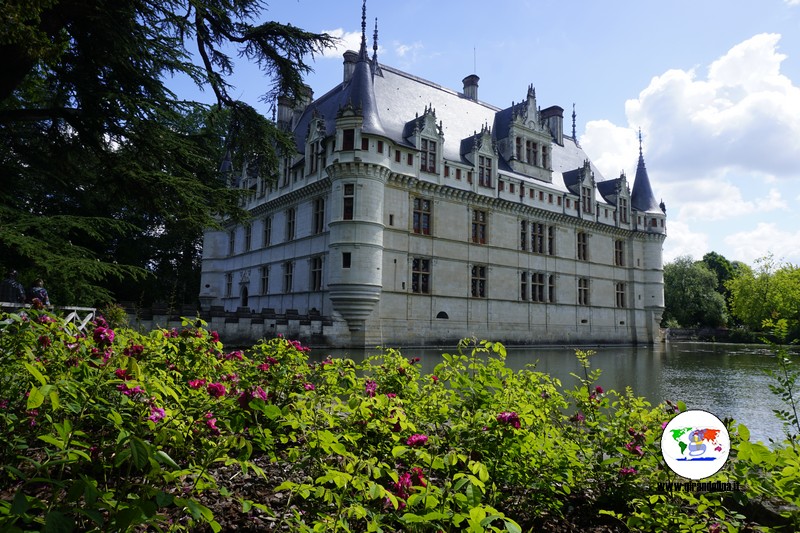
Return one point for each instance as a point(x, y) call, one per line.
point(413, 214)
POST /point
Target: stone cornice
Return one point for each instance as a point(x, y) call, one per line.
point(292, 197)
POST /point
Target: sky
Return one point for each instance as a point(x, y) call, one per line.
point(714, 86)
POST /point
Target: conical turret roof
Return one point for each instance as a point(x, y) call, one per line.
point(360, 92)
point(642, 198)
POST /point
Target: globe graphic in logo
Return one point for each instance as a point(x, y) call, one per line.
point(695, 444)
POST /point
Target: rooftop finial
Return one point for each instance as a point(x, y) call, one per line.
point(363, 51)
point(574, 136)
point(640, 142)
point(375, 42)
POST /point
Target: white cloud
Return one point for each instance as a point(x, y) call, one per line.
point(792, 2)
point(682, 241)
point(713, 200)
point(765, 238)
point(403, 50)
point(612, 148)
point(745, 115)
point(345, 41)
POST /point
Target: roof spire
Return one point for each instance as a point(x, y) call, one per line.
point(642, 198)
point(574, 136)
point(363, 51)
point(375, 42)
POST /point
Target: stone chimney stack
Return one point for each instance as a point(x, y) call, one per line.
point(471, 87)
point(350, 60)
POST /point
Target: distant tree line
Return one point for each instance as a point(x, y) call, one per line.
point(716, 292)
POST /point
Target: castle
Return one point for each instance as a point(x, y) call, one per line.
point(413, 214)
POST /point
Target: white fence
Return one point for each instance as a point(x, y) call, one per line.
point(79, 316)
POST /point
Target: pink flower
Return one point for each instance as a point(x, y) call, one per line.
point(45, 319)
point(627, 471)
point(134, 350)
point(391, 395)
point(214, 336)
point(598, 389)
point(578, 417)
point(217, 390)
point(263, 367)
point(417, 473)
point(45, 341)
point(234, 355)
point(127, 390)
point(103, 336)
point(309, 386)
point(211, 422)
point(509, 417)
point(370, 387)
point(635, 449)
point(156, 414)
point(435, 378)
point(196, 383)
point(122, 373)
point(417, 439)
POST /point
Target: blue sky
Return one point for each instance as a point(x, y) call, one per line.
point(714, 85)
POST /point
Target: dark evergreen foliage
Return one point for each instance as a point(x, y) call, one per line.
point(108, 178)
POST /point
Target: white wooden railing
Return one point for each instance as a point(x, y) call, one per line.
point(79, 316)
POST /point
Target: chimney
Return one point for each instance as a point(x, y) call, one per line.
point(471, 87)
point(554, 117)
point(304, 99)
point(285, 112)
point(350, 60)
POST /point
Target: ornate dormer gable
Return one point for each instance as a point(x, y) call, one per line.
point(524, 140)
point(481, 150)
point(315, 148)
point(617, 193)
point(428, 137)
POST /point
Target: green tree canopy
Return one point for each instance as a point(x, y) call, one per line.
point(107, 174)
point(690, 294)
point(770, 291)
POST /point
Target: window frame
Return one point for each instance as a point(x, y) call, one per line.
point(478, 286)
point(421, 275)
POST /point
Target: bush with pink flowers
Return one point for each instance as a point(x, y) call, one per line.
point(117, 430)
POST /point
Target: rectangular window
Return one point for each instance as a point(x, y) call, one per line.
point(346, 258)
point(479, 227)
point(458, 173)
point(523, 235)
point(380, 147)
point(319, 215)
point(313, 153)
point(229, 284)
point(364, 143)
point(422, 216)
point(538, 238)
point(541, 196)
point(551, 288)
point(583, 246)
point(620, 290)
point(511, 188)
point(267, 233)
point(549, 198)
point(349, 201)
point(484, 171)
point(545, 157)
point(537, 287)
point(478, 281)
point(397, 155)
point(583, 291)
point(469, 176)
point(316, 273)
point(410, 159)
point(447, 171)
point(501, 185)
point(559, 201)
point(518, 152)
point(569, 203)
point(531, 193)
point(428, 156)
point(619, 252)
point(523, 286)
point(623, 210)
point(348, 139)
point(421, 275)
point(288, 274)
point(291, 220)
point(232, 242)
point(265, 279)
point(586, 199)
point(248, 237)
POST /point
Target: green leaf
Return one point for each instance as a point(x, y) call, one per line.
point(512, 527)
point(139, 452)
point(163, 457)
point(57, 522)
point(35, 399)
point(744, 433)
point(49, 439)
point(19, 504)
point(399, 451)
point(36, 374)
point(272, 411)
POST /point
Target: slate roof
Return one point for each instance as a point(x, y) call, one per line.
point(390, 101)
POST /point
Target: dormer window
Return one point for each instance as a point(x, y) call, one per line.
point(586, 199)
point(623, 210)
point(428, 153)
point(484, 171)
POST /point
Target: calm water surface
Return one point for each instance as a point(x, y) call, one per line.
point(725, 379)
